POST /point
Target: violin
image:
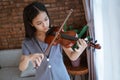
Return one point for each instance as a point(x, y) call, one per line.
point(67, 39)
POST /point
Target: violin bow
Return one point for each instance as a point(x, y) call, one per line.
point(49, 47)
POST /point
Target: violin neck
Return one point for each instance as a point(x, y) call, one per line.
point(65, 36)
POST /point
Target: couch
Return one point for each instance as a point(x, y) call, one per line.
point(9, 62)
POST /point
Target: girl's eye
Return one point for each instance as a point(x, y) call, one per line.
point(39, 23)
point(46, 19)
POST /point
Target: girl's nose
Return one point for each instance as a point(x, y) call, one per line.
point(44, 24)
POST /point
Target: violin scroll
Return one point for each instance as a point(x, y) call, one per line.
point(96, 46)
point(90, 43)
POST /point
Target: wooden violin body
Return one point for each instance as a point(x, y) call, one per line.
point(61, 39)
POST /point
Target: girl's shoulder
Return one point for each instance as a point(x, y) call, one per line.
point(28, 41)
point(30, 45)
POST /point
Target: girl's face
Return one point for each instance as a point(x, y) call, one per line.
point(41, 22)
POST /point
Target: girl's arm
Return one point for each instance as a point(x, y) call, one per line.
point(73, 55)
point(24, 62)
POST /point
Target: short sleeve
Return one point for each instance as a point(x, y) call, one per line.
point(25, 50)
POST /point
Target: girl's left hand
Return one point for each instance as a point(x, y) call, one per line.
point(81, 46)
point(73, 55)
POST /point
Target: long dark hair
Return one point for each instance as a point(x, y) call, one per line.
point(29, 13)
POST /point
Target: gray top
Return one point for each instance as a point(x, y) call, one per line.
point(51, 68)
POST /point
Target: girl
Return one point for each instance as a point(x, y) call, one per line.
point(37, 23)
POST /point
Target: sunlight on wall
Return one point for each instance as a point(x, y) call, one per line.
point(111, 15)
point(107, 32)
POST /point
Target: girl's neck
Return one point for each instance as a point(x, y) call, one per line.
point(40, 36)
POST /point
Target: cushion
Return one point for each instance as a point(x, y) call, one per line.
point(12, 73)
point(10, 58)
point(8, 73)
point(30, 71)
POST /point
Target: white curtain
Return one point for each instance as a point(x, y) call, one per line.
point(107, 32)
point(88, 7)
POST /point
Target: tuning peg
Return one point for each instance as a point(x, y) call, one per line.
point(95, 41)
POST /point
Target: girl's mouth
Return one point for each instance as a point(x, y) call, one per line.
point(46, 29)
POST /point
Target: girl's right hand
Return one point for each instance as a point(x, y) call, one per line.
point(36, 59)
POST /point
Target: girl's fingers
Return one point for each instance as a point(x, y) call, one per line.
point(37, 59)
point(42, 56)
point(38, 62)
point(76, 50)
point(82, 42)
point(79, 45)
